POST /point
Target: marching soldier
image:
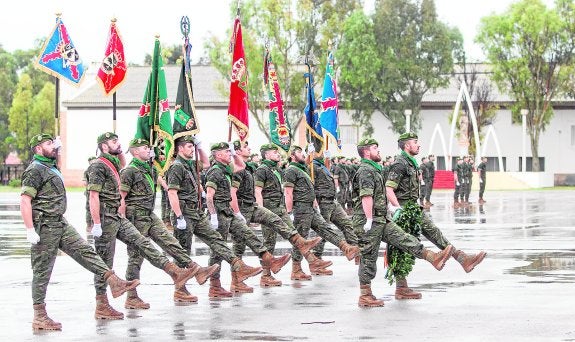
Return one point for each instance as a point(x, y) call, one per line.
point(423, 175)
point(138, 189)
point(42, 205)
point(341, 179)
point(108, 210)
point(401, 187)
point(482, 168)
point(457, 179)
point(465, 178)
point(430, 179)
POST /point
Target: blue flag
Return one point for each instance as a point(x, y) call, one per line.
point(311, 115)
point(328, 118)
point(58, 56)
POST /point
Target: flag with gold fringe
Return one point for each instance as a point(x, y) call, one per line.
point(238, 109)
point(114, 67)
point(280, 131)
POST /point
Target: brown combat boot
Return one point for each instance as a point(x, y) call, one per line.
point(179, 275)
point(304, 245)
point(133, 301)
point(104, 310)
point(239, 286)
point(350, 251)
point(468, 262)
point(274, 264)
point(317, 262)
point(242, 270)
point(439, 259)
point(268, 280)
point(182, 295)
point(216, 289)
point(297, 273)
point(402, 290)
point(317, 267)
point(367, 299)
point(42, 321)
point(481, 201)
point(455, 204)
point(203, 273)
point(119, 286)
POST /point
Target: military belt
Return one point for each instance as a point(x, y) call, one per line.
point(139, 211)
point(379, 212)
point(47, 217)
point(326, 199)
point(243, 203)
point(109, 210)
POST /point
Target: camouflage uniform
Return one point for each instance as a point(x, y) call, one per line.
point(331, 210)
point(403, 179)
point(42, 182)
point(105, 181)
point(305, 216)
point(368, 181)
point(181, 176)
point(469, 180)
point(340, 173)
point(482, 168)
point(458, 170)
point(423, 187)
point(219, 178)
point(253, 213)
point(429, 180)
point(138, 180)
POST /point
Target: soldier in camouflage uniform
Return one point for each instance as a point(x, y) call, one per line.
point(244, 201)
point(218, 197)
point(300, 197)
point(188, 218)
point(457, 179)
point(403, 186)
point(341, 179)
point(86, 194)
point(430, 179)
point(325, 193)
point(43, 204)
point(482, 168)
point(386, 165)
point(371, 224)
point(465, 181)
point(108, 210)
point(138, 182)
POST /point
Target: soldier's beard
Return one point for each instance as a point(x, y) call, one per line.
point(49, 154)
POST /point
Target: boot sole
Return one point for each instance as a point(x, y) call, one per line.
point(135, 283)
point(477, 262)
point(370, 305)
point(319, 273)
point(308, 250)
point(270, 285)
point(446, 257)
point(242, 291)
point(202, 280)
point(284, 260)
point(301, 279)
point(257, 271)
point(135, 307)
point(111, 318)
point(37, 327)
point(185, 300)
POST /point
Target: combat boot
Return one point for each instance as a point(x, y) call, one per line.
point(302, 244)
point(350, 251)
point(468, 262)
point(179, 275)
point(438, 260)
point(297, 273)
point(203, 273)
point(268, 280)
point(239, 286)
point(242, 270)
point(119, 286)
point(182, 295)
point(455, 204)
point(402, 290)
point(42, 321)
point(317, 262)
point(133, 301)
point(104, 310)
point(367, 299)
point(274, 264)
point(481, 201)
point(216, 289)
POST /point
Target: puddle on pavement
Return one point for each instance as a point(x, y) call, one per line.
point(548, 267)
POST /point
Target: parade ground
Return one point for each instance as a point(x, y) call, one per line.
point(523, 291)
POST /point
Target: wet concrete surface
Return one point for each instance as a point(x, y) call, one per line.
point(523, 290)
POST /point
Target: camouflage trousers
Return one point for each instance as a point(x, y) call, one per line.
point(431, 231)
point(306, 218)
point(116, 227)
point(165, 205)
point(150, 226)
point(88, 216)
point(229, 223)
point(56, 233)
point(458, 189)
point(341, 196)
point(369, 242)
point(333, 213)
point(273, 222)
point(481, 188)
point(422, 192)
point(428, 189)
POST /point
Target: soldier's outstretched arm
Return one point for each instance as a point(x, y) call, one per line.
point(288, 194)
point(174, 202)
point(259, 197)
point(95, 206)
point(26, 210)
point(367, 205)
point(390, 193)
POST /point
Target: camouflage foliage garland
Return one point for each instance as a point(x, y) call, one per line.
point(401, 263)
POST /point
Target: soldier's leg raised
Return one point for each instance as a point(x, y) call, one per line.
point(326, 231)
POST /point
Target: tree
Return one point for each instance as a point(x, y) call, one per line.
point(412, 52)
point(8, 81)
point(170, 54)
point(531, 49)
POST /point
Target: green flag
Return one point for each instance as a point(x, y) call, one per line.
point(185, 120)
point(280, 131)
point(155, 122)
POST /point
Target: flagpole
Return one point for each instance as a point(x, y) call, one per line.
point(57, 109)
point(114, 112)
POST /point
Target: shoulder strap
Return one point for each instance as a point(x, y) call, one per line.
point(112, 168)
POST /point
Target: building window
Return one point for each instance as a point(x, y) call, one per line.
point(529, 162)
point(348, 134)
point(572, 135)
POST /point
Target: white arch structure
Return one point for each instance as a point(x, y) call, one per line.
point(491, 132)
point(463, 92)
point(437, 131)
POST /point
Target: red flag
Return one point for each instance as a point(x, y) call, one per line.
point(238, 107)
point(113, 69)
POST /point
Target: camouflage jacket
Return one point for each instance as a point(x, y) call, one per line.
point(403, 179)
point(430, 171)
point(482, 168)
point(182, 176)
point(269, 178)
point(219, 178)
point(138, 180)
point(297, 177)
point(324, 184)
point(244, 181)
point(341, 174)
point(105, 180)
point(43, 183)
point(368, 181)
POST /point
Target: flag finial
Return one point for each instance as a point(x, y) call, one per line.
point(113, 20)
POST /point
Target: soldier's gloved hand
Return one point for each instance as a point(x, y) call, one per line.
point(214, 221)
point(310, 148)
point(367, 225)
point(203, 194)
point(422, 182)
point(181, 222)
point(291, 216)
point(32, 236)
point(327, 154)
point(240, 216)
point(57, 143)
point(394, 211)
point(337, 190)
point(97, 229)
point(397, 214)
point(232, 149)
point(197, 142)
point(480, 180)
point(457, 183)
point(152, 153)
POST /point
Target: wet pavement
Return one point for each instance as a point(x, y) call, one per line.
point(523, 290)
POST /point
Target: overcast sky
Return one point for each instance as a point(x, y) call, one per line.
point(88, 22)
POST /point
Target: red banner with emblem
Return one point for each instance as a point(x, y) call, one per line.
point(113, 68)
point(238, 106)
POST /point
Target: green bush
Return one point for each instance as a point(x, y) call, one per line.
point(15, 183)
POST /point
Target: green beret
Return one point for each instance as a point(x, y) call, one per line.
point(388, 158)
point(185, 139)
point(459, 158)
point(407, 136)
point(294, 148)
point(106, 136)
point(91, 158)
point(431, 155)
point(137, 142)
point(238, 144)
point(268, 147)
point(40, 138)
point(367, 142)
point(219, 146)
